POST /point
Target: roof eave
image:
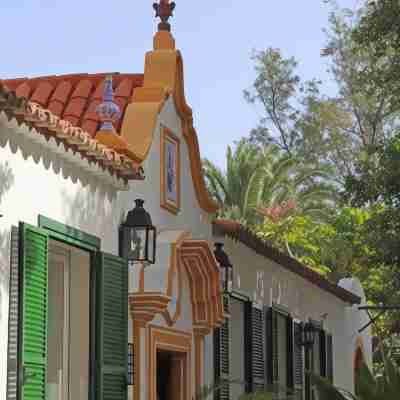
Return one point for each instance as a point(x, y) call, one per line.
point(238, 232)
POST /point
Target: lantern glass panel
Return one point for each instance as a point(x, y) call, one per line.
point(151, 245)
point(137, 244)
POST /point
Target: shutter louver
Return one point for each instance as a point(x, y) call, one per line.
point(221, 360)
point(298, 360)
point(275, 355)
point(257, 354)
point(131, 364)
point(322, 347)
point(268, 346)
point(272, 346)
point(308, 366)
point(112, 351)
point(290, 350)
point(33, 314)
point(329, 357)
point(12, 350)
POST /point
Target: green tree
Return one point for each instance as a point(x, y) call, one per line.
point(264, 177)
point(378, 32)
point(322, 130)
point(239, 189)
point(337, 248)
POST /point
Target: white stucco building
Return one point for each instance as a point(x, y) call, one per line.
point(69, 304)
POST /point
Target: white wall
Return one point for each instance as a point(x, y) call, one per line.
point(265, 281)
point(358, 319)
point(31, 188)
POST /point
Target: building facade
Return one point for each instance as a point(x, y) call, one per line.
point(75, 152)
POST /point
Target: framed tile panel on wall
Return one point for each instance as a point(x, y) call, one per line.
point(170, 173)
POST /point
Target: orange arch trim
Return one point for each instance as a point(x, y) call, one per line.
point(203, 276)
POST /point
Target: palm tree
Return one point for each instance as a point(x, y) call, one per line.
point(237, 190)
point(260, 179)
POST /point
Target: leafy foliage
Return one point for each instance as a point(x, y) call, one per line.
point(323, 131)
point(368, 386)
point(280, 180)
point(378, 33)
point(264, 176)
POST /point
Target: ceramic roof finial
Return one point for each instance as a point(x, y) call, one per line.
point(164, 10)
point(108, 111)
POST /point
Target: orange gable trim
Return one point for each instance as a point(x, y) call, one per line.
point(164, 77)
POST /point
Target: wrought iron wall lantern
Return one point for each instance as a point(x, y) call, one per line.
point(308, 333)
point(137, 236)
point(226, 267)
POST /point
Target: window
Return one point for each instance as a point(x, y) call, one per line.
point(130, 364)
point(237, 348)
point(73, 322)
point(280, 350)
point(68, 322)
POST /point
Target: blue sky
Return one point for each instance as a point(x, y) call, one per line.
point(216, 37)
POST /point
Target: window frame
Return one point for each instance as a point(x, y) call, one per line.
point(77, 238)
point(285, 313)
point(245, 300)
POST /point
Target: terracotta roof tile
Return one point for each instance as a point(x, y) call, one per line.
point(49, 124)
point(60, 97)
point(23, 90)
point(75, 97)
point(42, 93)
point(77, 103)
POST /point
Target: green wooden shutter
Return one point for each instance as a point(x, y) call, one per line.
point(112, 332)
point(308, 367)
point(275, 347)
point(269, 346)
point(222, 360)
point(329, 357)
point(257, 354)
point(290, 350)
point(322, 356)
point(298, 360)
point(248, 353)
point(272, 346)
point(12, 347)
point(33, 312)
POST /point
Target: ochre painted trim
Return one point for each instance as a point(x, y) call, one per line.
point(198, 354)
point(204, 282)
point(145, 306)
point(175, 341)
point(140, 120)
point(166, 135)
point(136, 340)
point(175, 268)
point(141, 277)
point(163, 76)
point(186, 114)
point(196, 259)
